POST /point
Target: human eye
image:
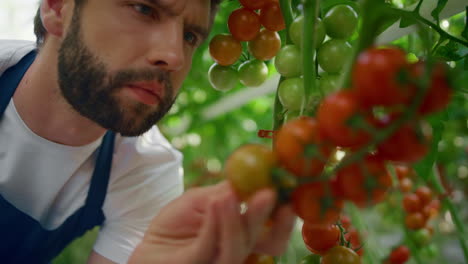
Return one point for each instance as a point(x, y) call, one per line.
point(145, 10)
point(191, 38)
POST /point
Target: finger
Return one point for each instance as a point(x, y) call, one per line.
point(275, 241)
point(260, 208)
point(205, 248)
point(233, 235)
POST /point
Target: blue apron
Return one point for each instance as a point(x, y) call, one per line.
point(22, 238)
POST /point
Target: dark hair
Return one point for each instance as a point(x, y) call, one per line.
point(41, 32)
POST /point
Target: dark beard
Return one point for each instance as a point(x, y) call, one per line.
point(91, 90)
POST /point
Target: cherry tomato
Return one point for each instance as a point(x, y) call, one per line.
point(266, 45)
point(300, 149)
point(415, 221)
point(425, 194)
point(244, 24)
point(404, 171)
point(411, 203)
point(249, 168)
point(340, 21)
point(354, 238)
point(310, 259)
point(225, 50)
point(341, 255)
point(365, 182)
point(431, 210)
point(297, 26)
point(271, 17)
point(313, 203)
point(411, 135)
point(288, 61)
point(333, 116)
point(399, 255)
point(439, 92)
point(222, 78)
point(422, 237)
point(329, 82)
point(406, 185)
point(376, 77)
point(333, 54)
point(259, 259)
point(320, 238)
point(291, 93)
point(254, 4)
point(345, 222)
point(253, 73)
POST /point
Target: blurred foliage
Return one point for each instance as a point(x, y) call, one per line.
point(206, 143)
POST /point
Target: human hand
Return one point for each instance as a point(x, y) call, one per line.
point(205, 225)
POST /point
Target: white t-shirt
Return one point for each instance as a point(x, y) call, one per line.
point(50, 181)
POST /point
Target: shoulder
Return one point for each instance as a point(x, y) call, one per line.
point(11, 51)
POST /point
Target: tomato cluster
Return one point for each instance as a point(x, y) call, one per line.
point(256, 23)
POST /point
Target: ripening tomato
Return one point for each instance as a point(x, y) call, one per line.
point(341, 255)
point(414, 136)
point(439, 92)
point(431, 210)
point(244, 24)
point(254, 4)
point(412, 203)
point(406, 185)
point(421, 237)
point(365, 182)
point(259, 259)
point(334, 117)
point(249, 169)
point(404, 171)
point(376, 79)
point(225, 49)
point(415, 221)
point(399, 255)
point(320, 238)
point(266, 45)
point(425, 194)
point(314, 203)
point(300, 149)
point(271, 17)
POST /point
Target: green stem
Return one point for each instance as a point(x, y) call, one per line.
point(442, 33)
point(287, 16)
point(311, 8)
point(413, 247)
point(418, 7)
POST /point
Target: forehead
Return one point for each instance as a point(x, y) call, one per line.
point(191, 9)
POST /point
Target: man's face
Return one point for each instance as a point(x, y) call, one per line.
point(122, 62)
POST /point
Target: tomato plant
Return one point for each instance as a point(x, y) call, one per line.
point(225, 49)
point(253, 73)
point(266, 45)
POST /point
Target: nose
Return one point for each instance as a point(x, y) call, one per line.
point(167, 46)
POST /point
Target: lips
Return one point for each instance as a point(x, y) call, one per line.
point(148, 92)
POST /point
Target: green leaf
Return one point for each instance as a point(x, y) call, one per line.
point(465, 30)
point(406, 22)
point(465, 67)
point(436, 12)
point(452, 51)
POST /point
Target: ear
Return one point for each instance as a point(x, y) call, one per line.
point(52, 15)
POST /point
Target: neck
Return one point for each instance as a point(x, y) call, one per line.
point(43, 109)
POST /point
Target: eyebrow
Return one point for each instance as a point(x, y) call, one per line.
point(202, 31)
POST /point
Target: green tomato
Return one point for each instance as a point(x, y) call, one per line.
point(310, 259)
point(288, 61)
point(340, 21)
point(430, 251)
point(253, 73)
point(291, 93)
point(290, 115)
point(329, 82)
point(333, 54)
point(422, 237)
point(295, 31)
point(222, 78)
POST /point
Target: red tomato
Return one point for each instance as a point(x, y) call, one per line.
point(271, 17)
point(409, 144)
point(439, 92)
point(365, 182)
point(345, 221)
point(300, 149)
point(254, 4)
point(424, 193)
point(341, 255)
point(225, 50)
point(399, 255)
point(354, 238)
point(375, 77)
point(314, 204)
point(412, 203)
point(406, 185)
point(333, 116)
point(415, 221)
point(403, 171)
point(265, 45)
point(244, 24)
point(320, 238)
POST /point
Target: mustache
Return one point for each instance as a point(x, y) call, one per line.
point(123, 77)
